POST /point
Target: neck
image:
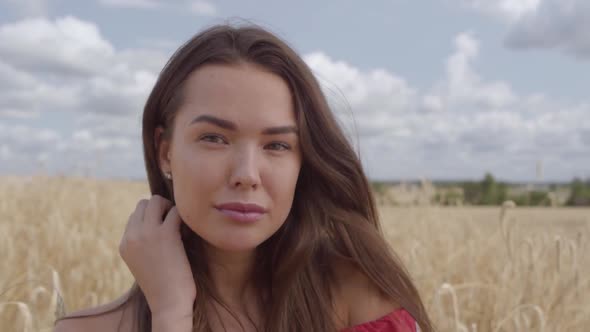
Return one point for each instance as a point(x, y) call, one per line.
point(231, 272)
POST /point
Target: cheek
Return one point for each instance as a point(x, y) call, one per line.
point(283, 193)
point(194, 183)
point(196, 168)
point(195, 207)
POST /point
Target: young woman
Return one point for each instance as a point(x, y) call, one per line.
point(261, 218)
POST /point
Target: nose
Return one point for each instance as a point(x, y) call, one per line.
point(245, 173)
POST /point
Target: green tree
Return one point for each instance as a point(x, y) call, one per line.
point(493, 193)
point(533, 198)
point(471, 192)
point(487, 191)
point(580, 193)
point(378, 187)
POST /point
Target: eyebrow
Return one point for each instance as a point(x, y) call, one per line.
point(226, 124)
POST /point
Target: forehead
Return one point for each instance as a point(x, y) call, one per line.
point(240, 93)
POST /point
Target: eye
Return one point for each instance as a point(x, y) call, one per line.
point(281, 146)
point(212, 138)
point(278, 146)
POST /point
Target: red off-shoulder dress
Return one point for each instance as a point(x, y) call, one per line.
point(398, 320)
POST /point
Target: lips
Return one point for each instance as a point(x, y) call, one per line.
point(241, 207)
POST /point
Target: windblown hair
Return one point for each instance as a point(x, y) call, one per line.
point(333, 219)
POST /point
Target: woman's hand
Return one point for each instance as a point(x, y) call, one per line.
point(153, 250)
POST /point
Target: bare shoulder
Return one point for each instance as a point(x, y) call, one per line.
point(362, 299)
point(104, 318)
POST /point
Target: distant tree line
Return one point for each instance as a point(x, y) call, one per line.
point(488, 191)
point(580, 193)
point(485, 192)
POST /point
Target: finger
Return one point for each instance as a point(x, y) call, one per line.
point(140, 210)
point(172, 220)
point(136, 218)
point(154, 212)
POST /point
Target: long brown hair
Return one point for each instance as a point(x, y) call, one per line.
point(333, 217)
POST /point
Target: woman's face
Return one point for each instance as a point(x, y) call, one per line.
point(236, 158)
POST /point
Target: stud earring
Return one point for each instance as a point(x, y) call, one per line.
point(168, 175)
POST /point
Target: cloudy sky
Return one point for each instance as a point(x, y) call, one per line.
point(441, 89)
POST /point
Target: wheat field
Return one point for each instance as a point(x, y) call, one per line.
point(478, 269)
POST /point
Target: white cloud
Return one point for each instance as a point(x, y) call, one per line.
point(563, 25)
point(30, 8)
point(432, 103)
point(197, 7)
point(203, 8)
point(376, 97)
point(87, 140)
point(27, 141)
point(77, 69)
point(27, 149)
point(23, 95)
point(11, 77)
point(505, 9)
point(376, 94)
point(76, 75)
point(465, 86)
point(67, 45)
point(461, 127)
point(141, 4)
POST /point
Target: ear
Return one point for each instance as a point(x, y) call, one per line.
point(162, 150)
